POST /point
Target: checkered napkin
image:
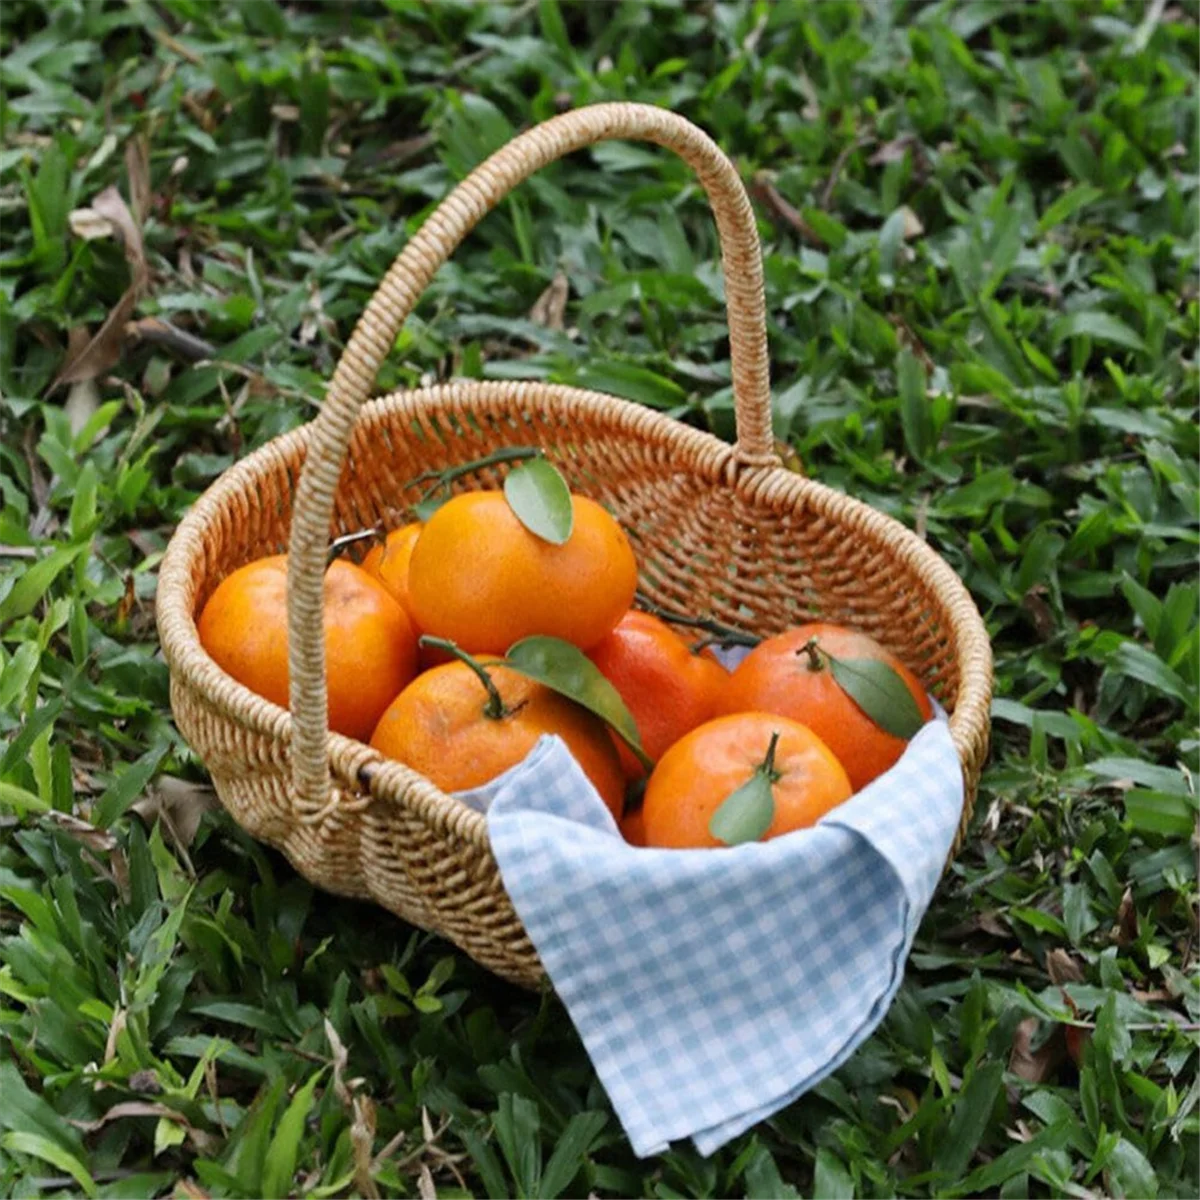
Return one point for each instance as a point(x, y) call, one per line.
point(713, 987)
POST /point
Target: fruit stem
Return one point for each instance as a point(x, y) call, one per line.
point(495, 709)
point(440, 480)
point(723, 635)
point(768, 763)
point(375, 533)
point(813, 649)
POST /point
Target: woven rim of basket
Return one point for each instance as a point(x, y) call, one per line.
point(710, 459)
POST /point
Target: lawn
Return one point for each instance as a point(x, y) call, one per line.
point(980, 232)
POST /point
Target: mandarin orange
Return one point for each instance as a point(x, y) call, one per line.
point(449, 727)
point(790, 675)
point(701, 770)
point(370, 646)
point(481, 579)
point(388, 561)
point(667, 689)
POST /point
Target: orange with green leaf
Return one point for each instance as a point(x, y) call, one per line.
point(464, 723)
point(861, 700)
point(739, 778)
point(667, 687)
point(491, 568)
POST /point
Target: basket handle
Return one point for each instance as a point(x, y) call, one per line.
point(395, 298)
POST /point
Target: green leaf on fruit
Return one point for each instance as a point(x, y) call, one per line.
point(539, 496)
point(565, 669)
point(880, 692)
point(746, 813)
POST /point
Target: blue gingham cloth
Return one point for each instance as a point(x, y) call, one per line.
point(713, 987)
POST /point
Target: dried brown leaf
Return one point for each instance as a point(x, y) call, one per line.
point(1034, 602)
point(425, 1185)
point(102, 351)
point(128, 599)
point(1062, 968)
point(893, 151)
point(1038, 1065)
point(341, 1056)
point(784, 213)
point(1153, 996)
point(180, 805)
point(1127, 921)
point(985, 922)
point(89, 225)
point(95, 841)
point(201, 1140)
point(995, 924)
point(115, 1029)
point(921, 517)
point(82, 401)
point(137, 166)
point(110, 204)
point(83, 831)
point(551, 306)
point(362, 1141)
point(912, 224)
point(1076, 1039)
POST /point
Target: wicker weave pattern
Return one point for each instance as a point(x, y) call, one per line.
point(715, 528)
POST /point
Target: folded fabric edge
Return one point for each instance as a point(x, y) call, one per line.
point(712, 1138)
point(708, 1141)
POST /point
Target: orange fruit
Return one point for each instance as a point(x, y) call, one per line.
point(370, 646)
point(445, 726)
point(633, 827)
point(667, 689)
point(695, 777)
point(389, 564)
point(388, 561)
point(481, 579)
point(781, 676)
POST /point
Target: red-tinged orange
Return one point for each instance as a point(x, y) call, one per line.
point(633, 827)
point(790, 675)
point(667, 689)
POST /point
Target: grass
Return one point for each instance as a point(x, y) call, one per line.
point(980, 228)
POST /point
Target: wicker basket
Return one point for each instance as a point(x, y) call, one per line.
point(716, 527)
